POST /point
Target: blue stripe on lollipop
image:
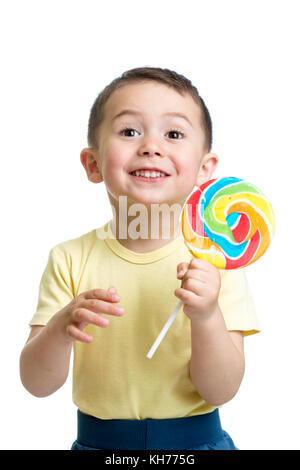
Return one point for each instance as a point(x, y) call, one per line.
point(231, 249)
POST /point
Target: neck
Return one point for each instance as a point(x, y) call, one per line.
point(143, 229)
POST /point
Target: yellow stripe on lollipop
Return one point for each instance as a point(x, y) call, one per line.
point(201, 247)
point(223, 204)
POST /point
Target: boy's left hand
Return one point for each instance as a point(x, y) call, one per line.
point(199, 289)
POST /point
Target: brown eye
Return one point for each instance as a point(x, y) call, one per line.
point(175, 135)
point(128, 132)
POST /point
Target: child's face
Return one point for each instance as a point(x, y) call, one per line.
point(149, 135)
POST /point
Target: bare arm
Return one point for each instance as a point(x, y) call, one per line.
point(44, 361)
point(217, 360)
point(45, 358)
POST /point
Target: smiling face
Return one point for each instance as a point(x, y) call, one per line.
point(147, 126)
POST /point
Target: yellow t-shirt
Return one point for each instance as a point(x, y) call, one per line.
point(112, 377)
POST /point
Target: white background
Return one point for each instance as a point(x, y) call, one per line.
point(56, 56)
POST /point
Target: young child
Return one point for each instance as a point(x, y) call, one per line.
point(109, 292)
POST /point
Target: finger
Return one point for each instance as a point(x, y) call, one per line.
point(186, 296)
point(100, 306)
point(194, 285)
point(101, 294)
point(78, 335)
point(84, 316)
point(195, 274)
point(181, 269)
point(112, 289)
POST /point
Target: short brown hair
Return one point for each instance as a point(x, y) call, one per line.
point(168, 77)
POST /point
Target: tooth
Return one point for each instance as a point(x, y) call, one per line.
point(149, 173)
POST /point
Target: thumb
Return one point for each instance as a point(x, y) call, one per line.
point(112, 289)
point(182, 269)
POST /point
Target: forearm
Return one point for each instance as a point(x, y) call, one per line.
point(217, 365)
point(44, 362)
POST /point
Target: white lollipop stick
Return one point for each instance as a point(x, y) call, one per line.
point(164, 330)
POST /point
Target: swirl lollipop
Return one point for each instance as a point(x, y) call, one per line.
point(227, 222)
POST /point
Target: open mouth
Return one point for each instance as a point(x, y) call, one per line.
point(149, 175)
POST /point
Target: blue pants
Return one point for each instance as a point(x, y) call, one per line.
point(202, 432)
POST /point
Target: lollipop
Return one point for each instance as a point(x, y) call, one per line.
point(227, 222)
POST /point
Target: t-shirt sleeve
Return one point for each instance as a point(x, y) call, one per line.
point(56, 287)
point(236, 302)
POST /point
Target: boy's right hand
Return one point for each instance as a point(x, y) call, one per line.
point(86, 309)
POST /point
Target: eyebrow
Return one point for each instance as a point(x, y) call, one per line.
point(137, 113)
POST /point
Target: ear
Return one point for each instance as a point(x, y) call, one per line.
point(208, 165)
point(90, 164)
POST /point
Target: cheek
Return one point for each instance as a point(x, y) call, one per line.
point(189, 168)
point(114, 160)
point(190, 171)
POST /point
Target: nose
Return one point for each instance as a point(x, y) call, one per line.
point(150, 147)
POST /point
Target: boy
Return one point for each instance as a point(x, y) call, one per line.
point(149, 139)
